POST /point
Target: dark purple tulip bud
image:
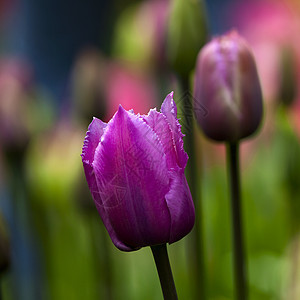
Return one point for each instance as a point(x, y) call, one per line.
point(227, 89)
point(134, 166)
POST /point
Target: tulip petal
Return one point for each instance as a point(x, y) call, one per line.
point(93, 136)
point(168, 106)
point(169, 109)
point(181, 206)
point(158, 122)
point(131, 173)
point(92, 139)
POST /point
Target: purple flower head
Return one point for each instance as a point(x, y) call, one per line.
point(227, 84)
point(134, 166)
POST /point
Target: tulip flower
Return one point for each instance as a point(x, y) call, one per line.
point(134, 166)
point(227, 85)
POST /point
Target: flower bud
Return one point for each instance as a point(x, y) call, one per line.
point(227, 87)
point(134, 166)
point(187, 33)
point(140, 34)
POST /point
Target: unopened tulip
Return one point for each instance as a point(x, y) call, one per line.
point(187, 33)
point(134, 166)
point(227, 88)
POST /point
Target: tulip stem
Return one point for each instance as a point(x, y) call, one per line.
point(163, 267)
point(193, 172)
point(236, 215)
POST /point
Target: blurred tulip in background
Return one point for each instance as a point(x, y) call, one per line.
point(227, 85)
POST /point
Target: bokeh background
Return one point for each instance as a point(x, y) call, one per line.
point(63, 62)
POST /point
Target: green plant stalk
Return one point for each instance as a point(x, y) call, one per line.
point(163, 267)
point(196, 236)
point(236, 215)
point(102, 256)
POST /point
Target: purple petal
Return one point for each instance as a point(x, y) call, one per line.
point(93, 136)
point(92, 139)
point(181, 206)
point(169, 109)
point(130, 168)
point(168, 106)
point(159, 124)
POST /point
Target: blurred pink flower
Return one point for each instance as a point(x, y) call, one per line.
point(270, 27)
point(130, 87)
point(18, 70)
point(15, 80)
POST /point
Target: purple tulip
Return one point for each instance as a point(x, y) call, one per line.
point(134, 166)
point(227, 86)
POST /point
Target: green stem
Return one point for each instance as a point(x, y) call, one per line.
point(238, 247)
point(102, 257)
point(162, 262)
point(196, 237)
